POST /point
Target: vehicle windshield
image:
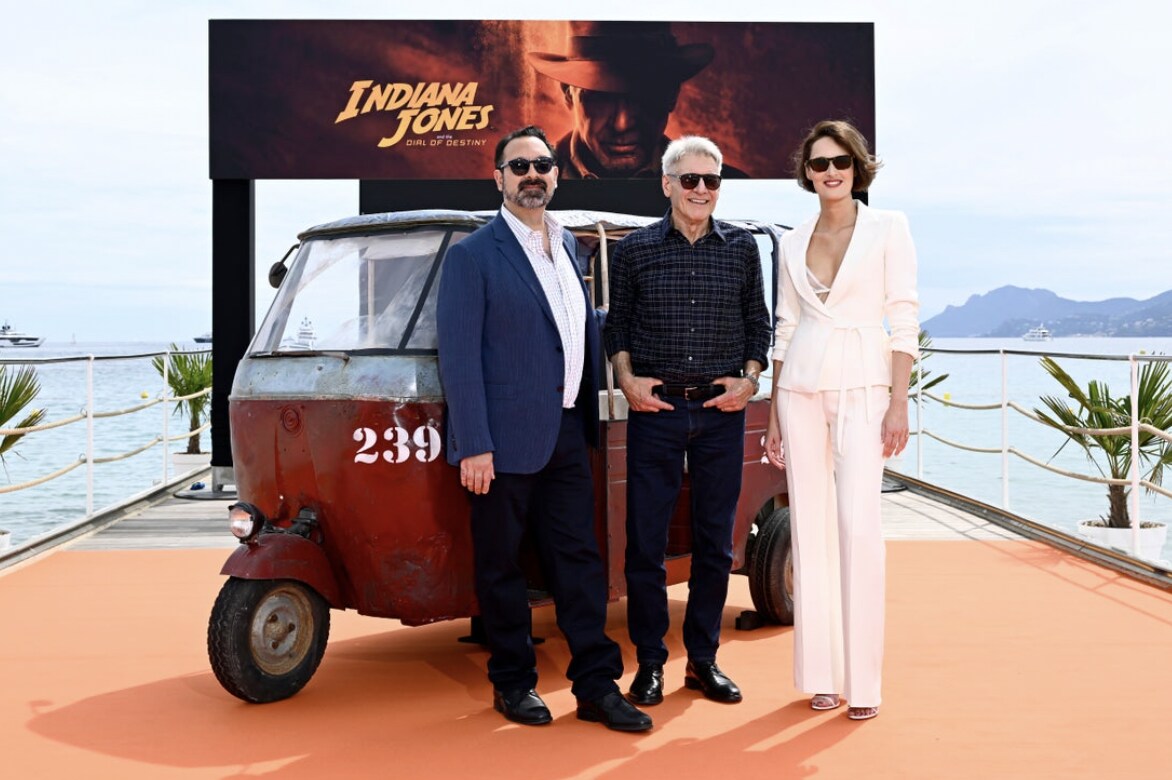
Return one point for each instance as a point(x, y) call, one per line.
point(366, 292)
point(377, 292)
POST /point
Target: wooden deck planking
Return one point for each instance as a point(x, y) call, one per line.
point(911, 516)
point(175, 523)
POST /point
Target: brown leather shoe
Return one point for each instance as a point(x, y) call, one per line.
point(647, 687)
point(706, 676)
point(521, 706)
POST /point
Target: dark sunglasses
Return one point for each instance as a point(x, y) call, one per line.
point(520, 165)
point(689, 181)
point(822, 164)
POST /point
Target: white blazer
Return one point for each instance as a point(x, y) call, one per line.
point(842, 343)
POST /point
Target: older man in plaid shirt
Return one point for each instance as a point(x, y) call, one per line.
point(688, 334)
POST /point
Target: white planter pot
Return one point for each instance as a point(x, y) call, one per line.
point(1151, 539)
point(5, 539)
point(182, 463)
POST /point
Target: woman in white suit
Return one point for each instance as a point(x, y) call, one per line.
point(840, 409)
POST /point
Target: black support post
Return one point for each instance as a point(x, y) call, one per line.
point(233, 298)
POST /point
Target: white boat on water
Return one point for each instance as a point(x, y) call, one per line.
point(14, 338)
point(305, 339)
point(1037, 334)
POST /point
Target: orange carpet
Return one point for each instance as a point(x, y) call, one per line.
point(1004, 660)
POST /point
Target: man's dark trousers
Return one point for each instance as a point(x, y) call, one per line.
point(656, 444)
point(557, 503)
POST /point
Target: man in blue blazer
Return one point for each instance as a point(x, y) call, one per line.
point(518, 351)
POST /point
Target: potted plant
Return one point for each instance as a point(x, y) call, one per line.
point(18, 389)
point(189, 373)
point(1111, 454)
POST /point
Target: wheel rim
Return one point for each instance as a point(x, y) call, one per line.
point(282, 630)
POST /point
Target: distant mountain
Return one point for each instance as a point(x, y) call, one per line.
point(1011, 311)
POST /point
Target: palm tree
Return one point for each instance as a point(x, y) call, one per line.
point(1096, 408)
point(188, 373)
point(18, 389)
point(915, 379)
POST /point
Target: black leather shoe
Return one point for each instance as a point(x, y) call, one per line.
point(614, 712)
point(647, 687)
point(521, 706)
point(707, 677)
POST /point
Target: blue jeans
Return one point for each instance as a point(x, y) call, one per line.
point(656, 445)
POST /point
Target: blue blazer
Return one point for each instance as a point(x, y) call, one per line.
point(500, 354)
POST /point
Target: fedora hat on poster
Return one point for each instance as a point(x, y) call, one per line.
point(623, 57)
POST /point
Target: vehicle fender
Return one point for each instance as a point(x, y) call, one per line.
point(286, 557)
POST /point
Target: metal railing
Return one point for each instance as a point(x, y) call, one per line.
point(88, 414)
point(1134, 482)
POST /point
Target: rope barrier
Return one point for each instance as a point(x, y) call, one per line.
point(1156, 431)
point(1122, 430)
point(959, 405)
point(131, 410)
point(1156, 488)
point(1065, 473)
point(43, 361)
point(1043, 465)
point(189, 434)
point(205, 391)
point(959, 446)
point(42, 427)
point(42, 480)
point(102, 415)
point(132, 453)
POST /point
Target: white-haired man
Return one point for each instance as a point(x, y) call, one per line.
point(688, 334)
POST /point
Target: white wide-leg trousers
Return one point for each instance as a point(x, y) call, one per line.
point(835, 479)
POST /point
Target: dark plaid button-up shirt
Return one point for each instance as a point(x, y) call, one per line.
point(687, 313)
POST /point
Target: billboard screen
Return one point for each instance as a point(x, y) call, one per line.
point(427, 100)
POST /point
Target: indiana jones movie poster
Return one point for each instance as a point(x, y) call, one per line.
point(428, 100)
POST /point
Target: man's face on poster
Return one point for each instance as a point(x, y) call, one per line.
point(621, 129)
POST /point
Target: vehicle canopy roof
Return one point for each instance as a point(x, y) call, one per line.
point(573, 219)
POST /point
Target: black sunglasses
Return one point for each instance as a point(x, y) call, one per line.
point(822, 164)
point(520, 165)
point(689, 181)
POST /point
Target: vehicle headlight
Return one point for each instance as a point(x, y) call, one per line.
point(245, 521)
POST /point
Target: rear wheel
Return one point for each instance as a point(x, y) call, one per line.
point(771, 569)
point(266, 637)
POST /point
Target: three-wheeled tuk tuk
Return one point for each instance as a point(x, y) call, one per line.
point(346, 501)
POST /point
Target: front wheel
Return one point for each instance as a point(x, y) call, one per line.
point(771, 569)
point(266, 637)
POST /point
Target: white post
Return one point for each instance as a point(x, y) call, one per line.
point(89, 436)
point(920, 417)
point(1004, 430)
point(166, 417)
point(1135, 519)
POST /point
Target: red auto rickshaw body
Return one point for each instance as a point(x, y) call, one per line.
point(343, 415)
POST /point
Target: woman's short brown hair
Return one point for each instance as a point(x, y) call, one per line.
point(847, 136)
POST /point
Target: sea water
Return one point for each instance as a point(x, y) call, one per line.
point(972, 379)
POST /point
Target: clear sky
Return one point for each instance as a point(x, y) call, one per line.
point(1025, 140)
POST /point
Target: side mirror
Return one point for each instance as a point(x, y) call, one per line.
point(278, 269)
point(277, 273)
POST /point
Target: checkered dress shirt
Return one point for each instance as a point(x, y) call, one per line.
point(687, 313)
